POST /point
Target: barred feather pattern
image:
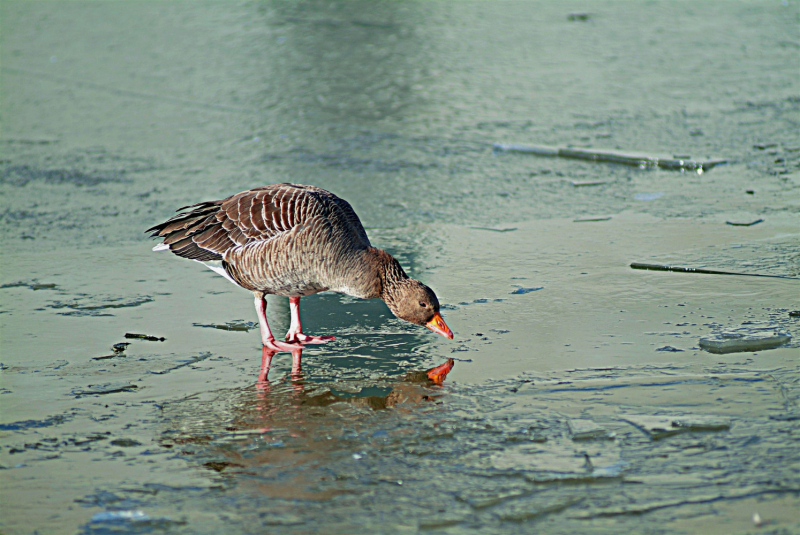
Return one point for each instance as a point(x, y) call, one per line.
point(285, 239)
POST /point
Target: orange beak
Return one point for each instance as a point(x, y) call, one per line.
point(438, 326)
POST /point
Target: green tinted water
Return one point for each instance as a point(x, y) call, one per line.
point(579, 402)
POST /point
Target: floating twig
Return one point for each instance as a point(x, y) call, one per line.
point(509, 229)
point(583, 17)
point(583, 184)
point(589, 219)
point(744, 224)
point(679, 269)
point(147, 337)
point(113, 356)
point(637, 160)
point(107, 388)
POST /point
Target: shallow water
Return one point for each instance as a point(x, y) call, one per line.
point(580, 401)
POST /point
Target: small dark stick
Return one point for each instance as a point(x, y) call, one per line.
point(679, 269)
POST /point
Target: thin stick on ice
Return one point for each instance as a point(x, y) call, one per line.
point(703, 271)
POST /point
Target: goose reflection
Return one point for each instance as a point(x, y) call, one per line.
point(285, 436)
point(434, 376)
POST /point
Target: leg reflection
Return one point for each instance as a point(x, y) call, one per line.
point(266, 362)
point(297, 367)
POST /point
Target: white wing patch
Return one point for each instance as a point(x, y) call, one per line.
point(161, 247)
point(216, 265)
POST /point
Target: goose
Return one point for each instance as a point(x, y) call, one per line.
point(295, 240)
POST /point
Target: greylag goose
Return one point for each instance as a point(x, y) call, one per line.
point(294, 240)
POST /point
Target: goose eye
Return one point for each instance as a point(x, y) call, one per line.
point(423, 305)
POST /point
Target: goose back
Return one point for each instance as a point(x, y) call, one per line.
point(286, 239)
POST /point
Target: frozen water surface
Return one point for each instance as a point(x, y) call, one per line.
point(580, 401)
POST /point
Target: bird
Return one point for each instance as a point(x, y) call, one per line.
point(295, 240)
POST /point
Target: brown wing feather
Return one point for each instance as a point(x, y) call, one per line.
point(352, 219)
point(209, 229)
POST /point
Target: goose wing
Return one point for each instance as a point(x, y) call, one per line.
point(207, 230)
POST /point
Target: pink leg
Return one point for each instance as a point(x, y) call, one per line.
point(295, 333)
point(267, 340)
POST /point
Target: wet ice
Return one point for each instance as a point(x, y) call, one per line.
point(568, 417)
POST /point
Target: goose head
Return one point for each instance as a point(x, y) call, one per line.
point(412, 301)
